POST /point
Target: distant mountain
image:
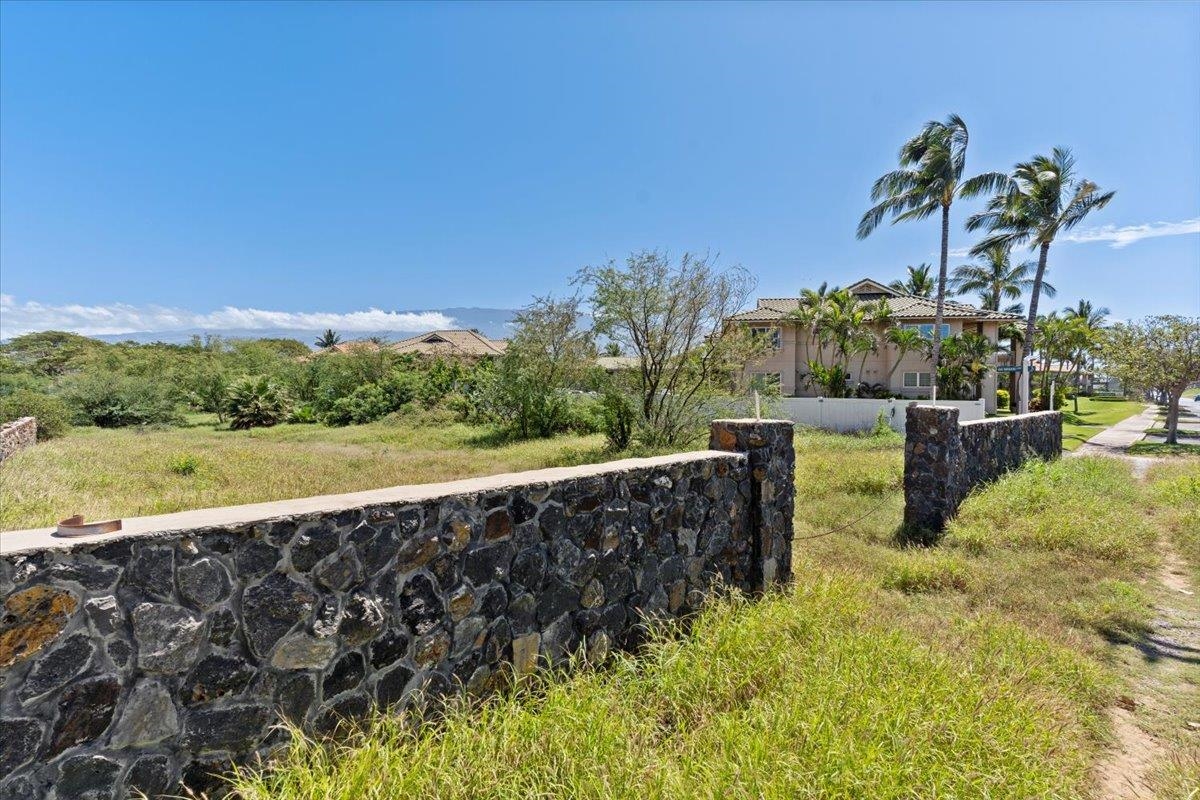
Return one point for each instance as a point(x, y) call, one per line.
point(495, 323)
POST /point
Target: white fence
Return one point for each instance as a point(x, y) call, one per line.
point(853, 414)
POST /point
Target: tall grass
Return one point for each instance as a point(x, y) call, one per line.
point(801, 695)
point(128, 472)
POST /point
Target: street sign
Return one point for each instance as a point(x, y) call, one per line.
point(1008, 369)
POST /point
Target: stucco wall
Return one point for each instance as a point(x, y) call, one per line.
point(945, 460)
point(158, 655)
point(17, 435)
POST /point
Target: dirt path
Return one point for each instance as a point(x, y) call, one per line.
point(1163, 674)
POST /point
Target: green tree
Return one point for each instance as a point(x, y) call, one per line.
point(256, 402)
point(328, 339)
point(672, 316)
point(547, 355)
point(1041, 199)
point(919, 281)
point(905, 340)
point(1160, 355)
point(930, 178)
point(995, 278)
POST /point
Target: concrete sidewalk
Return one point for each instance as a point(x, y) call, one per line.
point(1116, 439)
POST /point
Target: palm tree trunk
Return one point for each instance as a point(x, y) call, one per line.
point(1043, 253)
point(941, 301)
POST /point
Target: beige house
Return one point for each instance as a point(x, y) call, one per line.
point(452, 344)
point(910, 376)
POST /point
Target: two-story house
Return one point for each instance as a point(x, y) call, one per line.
point(910, 372)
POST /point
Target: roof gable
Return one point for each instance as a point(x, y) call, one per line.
point(871, 287)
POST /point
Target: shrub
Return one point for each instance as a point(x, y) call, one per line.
point(53, 415)
point(117, 401)
point(304, 415)
point(256, 402)
point(365, 404)
point(619, 419)
point(185, 464)
point(1002, 399)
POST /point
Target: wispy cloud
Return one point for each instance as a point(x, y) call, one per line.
point(18, 318)
point(1117, 237)
point(1128, 234)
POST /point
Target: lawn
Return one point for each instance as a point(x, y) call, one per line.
point(1095, 414)
point(104, 473)
point(980, 668)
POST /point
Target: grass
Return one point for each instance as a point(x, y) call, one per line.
point(1164, 449)
point(980, 668)
point(124, 472)
point(1182, 433)
point(1095, 414)
point(809, 694)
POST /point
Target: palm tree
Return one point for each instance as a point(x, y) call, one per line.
point(1093, 317)
point(918, 282)
point(1040, 200)
point(905, 340)
point(995, 277)
point(327, 339)
point(930, 177)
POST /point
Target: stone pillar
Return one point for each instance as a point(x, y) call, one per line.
point(771, 458)
point(932, 461)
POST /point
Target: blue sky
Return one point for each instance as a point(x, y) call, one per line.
point(164, 162)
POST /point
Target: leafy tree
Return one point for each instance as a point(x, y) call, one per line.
point(115, 400)
point(995, 278)
point(51, 353)
point(53, 415)
point(547, 354)
point(328, 339)
point(919, 281)
point(1160, 355)
point(672, 316)
point(256, 402)
point(1041, 199)
point(929, 180)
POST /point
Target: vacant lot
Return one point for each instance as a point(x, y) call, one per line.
point(981, 668)
point(126, 472)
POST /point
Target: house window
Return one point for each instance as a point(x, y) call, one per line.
point(915, 380)
point(765, 382)
point(926, 329)
point(770, 334)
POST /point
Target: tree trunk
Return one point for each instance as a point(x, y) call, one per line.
point(941, 302)
point(1173, 417)
point(1031, 324)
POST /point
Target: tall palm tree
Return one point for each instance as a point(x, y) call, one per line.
point(1093, 317)
point(996, 278)
point(929, 179)
point(918, 282)
point(1040, 200)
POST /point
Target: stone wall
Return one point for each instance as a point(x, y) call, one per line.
point(17, 435)
point(944, 460)
point(162, 654)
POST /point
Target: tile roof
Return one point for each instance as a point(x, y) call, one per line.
point(452, 342)
point(903, 306)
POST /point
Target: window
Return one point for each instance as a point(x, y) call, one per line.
point(770, 334)
point(914, 380)
point(926, 329)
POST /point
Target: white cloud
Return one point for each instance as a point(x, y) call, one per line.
point(1118, 237)
point(1128, 234)
point(18, 318)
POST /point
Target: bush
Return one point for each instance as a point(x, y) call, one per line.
point(1061, 395)
point(304, 415)
point(1003, 399)
point(256, 403)
point(619, 419)
point(185, 464)
point(117, 401)
point(365, 404)
point(53, 415)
